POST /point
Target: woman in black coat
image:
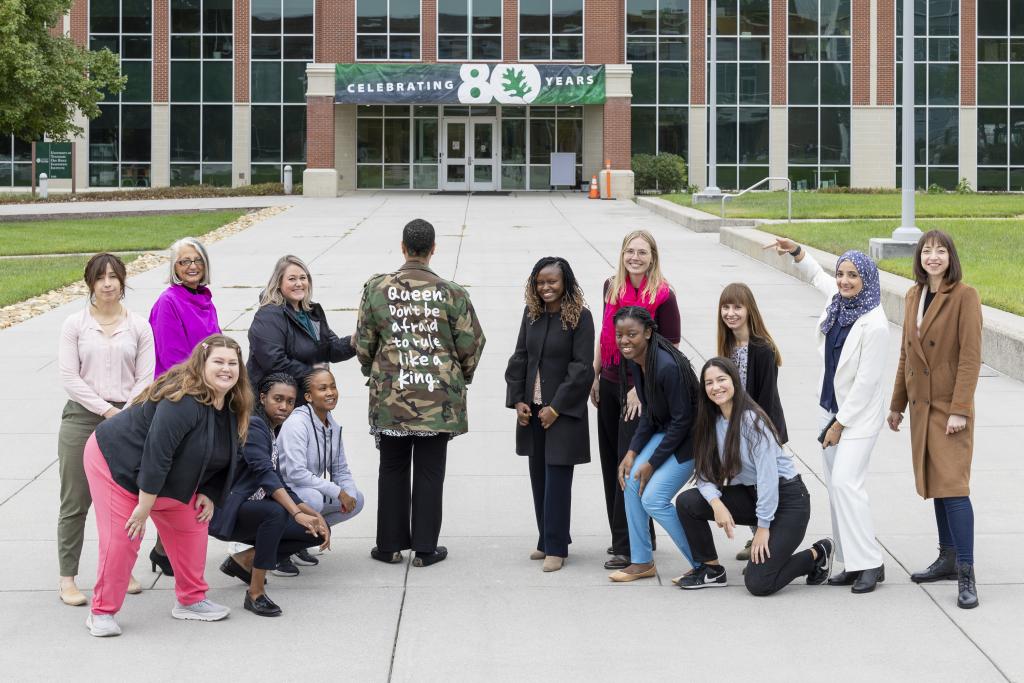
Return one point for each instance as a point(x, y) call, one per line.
point(549, 378)
point(290, 333)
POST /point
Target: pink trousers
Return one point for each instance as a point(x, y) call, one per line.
point(184, 538)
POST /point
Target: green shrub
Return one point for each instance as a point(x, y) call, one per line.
point(935, 188)
point(644, 178)
point(670, 172)
point(964, 187)
point(186, 192)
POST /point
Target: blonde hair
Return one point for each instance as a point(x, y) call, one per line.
point(654, 277)
point(738, 294)
point(188, 378)
point(200, 249)
point(271, 294)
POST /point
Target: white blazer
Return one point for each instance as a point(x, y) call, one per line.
point(858, 380)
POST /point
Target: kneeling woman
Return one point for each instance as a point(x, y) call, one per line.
point(659, 460)
point(734, 441)
point(260, 510)
point(170, 455)
point(312, 458)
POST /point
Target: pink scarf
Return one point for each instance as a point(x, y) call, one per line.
point(627, 297)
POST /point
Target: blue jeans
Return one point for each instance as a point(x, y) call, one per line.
point(955, 519)
point(655, 502)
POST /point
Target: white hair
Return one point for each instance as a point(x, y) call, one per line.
point(200, 249)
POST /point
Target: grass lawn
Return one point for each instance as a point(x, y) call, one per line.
point(91, 235)
point(839, 205)
point(22, 278)
point(989, 250)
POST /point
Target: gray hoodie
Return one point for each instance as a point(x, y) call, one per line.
point(306, 450)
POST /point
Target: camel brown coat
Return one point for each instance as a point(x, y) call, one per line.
point(940, 360)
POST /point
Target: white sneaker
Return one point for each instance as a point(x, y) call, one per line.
point(204, 610)
point(102, 625)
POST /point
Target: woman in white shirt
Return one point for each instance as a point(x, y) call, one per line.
point(106, 359)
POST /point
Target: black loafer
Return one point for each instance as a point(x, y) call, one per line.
point(868, 579)
point(844, 578)
point(231, 567)
point(386, 557)
point(426, 559)
point(610, 550)
point(262, 606)
point(617, 562)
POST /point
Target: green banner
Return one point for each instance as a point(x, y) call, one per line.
point(54, 159)
point(469, 84)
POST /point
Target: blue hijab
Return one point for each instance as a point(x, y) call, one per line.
point(847, 311)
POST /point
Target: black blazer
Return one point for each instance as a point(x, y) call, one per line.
point(164, 448)
point(673, 413)
point(763, 384)
point(255, 469)
point(278, 342)
point(565, 359)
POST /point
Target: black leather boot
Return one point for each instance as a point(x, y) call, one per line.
point(968, 597)
point(868, 579)
point(942, 569)
point(844, 578)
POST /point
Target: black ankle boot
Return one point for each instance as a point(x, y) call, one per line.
point(942, 569)
point(868, 579)
point(968, 596)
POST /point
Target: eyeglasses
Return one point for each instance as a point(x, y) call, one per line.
point(186, 262)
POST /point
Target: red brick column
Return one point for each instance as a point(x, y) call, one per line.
point(80, 22)
point(428, 31)
point(241, 50)
point(510, 31)
point(968, 53)
point(604, 40)
point(780, 50)
point(161, 51)
point(885, 93)
point(860, 92)
point(698, 57)
point(319, 131)
point(335, 31)
point(616, 134)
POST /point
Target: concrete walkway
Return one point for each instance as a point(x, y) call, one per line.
point(489, 612)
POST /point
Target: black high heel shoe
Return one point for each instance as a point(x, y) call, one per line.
point(162, 561)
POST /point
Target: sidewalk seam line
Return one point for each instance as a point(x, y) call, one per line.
point(398, 623)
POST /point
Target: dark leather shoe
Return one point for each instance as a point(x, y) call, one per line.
point(262, 606)
point(610, 550)
point(967, 597)
point(617, 562)
point(389, 558)
point(942, 569)
point(231, 567)
point(843, 578)
point(427, 559)
point(868, 579)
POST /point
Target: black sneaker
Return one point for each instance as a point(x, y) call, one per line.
point(704, 576)
point(304, 559)
point(285, 568)
point(823, 565)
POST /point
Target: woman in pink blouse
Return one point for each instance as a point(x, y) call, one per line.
point(106, 359)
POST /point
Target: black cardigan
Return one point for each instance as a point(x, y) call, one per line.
point(164, 447)
point(763, 384)
point(278, 342)
point(673, 414)
point(566, 362)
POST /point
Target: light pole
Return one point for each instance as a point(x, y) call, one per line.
point(712, 191)
point(908, 232)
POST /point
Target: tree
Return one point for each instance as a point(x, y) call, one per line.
point(45, 79)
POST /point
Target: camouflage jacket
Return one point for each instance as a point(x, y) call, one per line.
point(419, 343)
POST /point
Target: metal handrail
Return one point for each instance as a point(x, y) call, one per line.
point(789, 190)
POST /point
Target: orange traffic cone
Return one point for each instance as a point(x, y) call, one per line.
point(594, 194)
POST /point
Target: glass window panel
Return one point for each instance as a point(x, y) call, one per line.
point(513, 177)
point(298, 47)
point(803, 17)
point(424, 177)
point(97, 43)
point(103, 16)
point(727, 50)
point(294, 134)
point(135, 133)
point(992, 18)
point(371, 16)
point(217, 47)
point(266, 16)
point(944, 49)
point(726, 135)
point(217, 15)
point(641, 17)
point(369, 177)
point(835, 17)
point(452, 47)
point(673, 83)
point(136, 16)
point(405, 16)
point(803, 49)
point(404, 47)
point(137, 89)
point(726, 177)
point(802, 178)
point(835, 135)
point(674, 49)
point(567, 47)
point(396, 177)
point(298, 16)
point(396, 110)
point(218, 81)
point(185, 130)
point(674, 17)
point(216, 133)
point(943, 84)
point(535, 48)
point(135, 175)
point(1017, 84)
point(726, 84)
point(644, 83)
point(103, 143)
point(265, 134)
point(569, 137)
point(425, 142)
point(755, 49)
point(641, 49)
point(372, 47)
point(1017, 137)
point(185, 16)
point(185, 47)
point(943, 136)
point(944, 17)
point(513, 141)
point(567, 16)
point(486, 16)
point(427, 111)
point(1017, 179)
point(728, 18)
point(294, 85)
point(265, 173)
point(5, 148)
point(1016, 18)
point(266, 47)
point(100, 175)
point(266, 81)
point(753, 135)
point(487, 48)
point(992, 136)
point(835, 49)
point(542, 140)
point(835, 83)
point(803, 135)
point(369, 140)
point(803, 83)
point(136, 47)
point(534, 16)
point(218, 175)
point(184, 79)
point(992, 84)
point(991, 179)
point(754, 83)
point(754, 17)
point(750, 175)
point(396, 141)
point(673, 130)
point(993, 50)
point(185, 174)
point(946, 178)
point(452, 16)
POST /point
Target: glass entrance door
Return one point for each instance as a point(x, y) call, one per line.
point(470, 154)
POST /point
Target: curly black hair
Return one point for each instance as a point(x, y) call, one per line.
point(572, 298)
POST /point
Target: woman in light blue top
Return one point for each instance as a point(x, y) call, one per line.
point(744, 477)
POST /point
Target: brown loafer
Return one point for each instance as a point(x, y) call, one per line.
point(623, 577)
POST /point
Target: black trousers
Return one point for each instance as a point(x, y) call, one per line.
point(613, 437)
point(786, 532)
point(399, 525)
point(552, 495)
point(267, 526)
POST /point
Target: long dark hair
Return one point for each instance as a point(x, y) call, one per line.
point(652, 391)
point(708, 464)
point(573, 302)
